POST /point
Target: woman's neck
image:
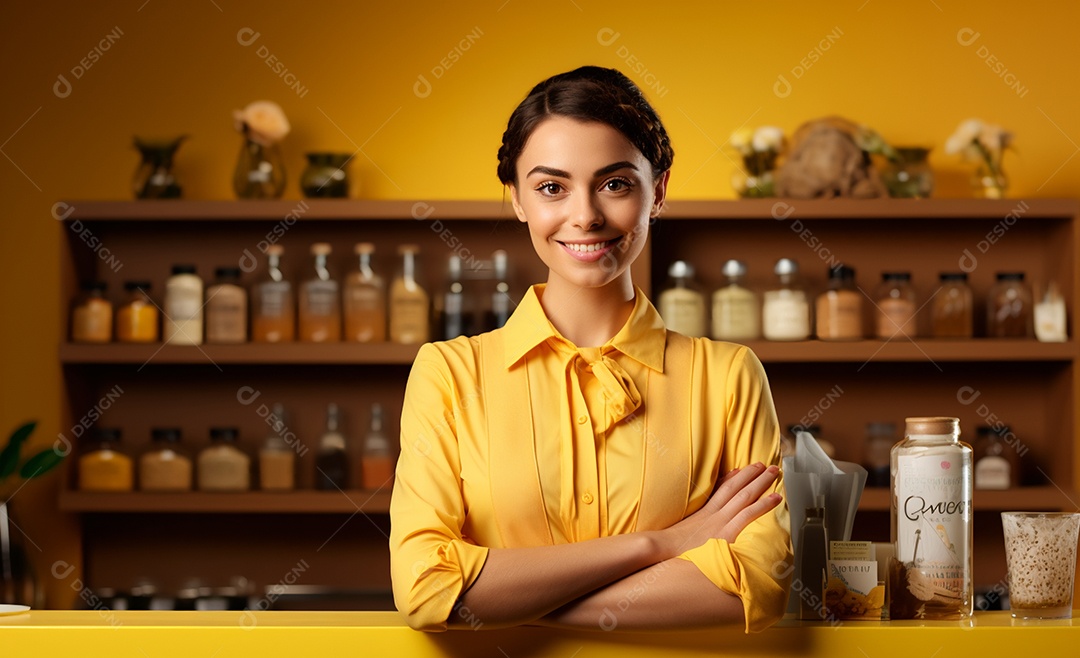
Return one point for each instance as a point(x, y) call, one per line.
point(588, 317)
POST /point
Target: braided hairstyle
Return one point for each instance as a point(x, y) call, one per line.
point(589, 93)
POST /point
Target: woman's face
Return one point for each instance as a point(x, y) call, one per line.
point(587, 195)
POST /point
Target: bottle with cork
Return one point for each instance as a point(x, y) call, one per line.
point(365, 299)
point(273, 303)
point(410, 306)
point(377, 456)
point(320, 300)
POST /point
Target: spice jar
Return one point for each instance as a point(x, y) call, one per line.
point(104, 466)
point(839, 309)
point(951, 312)
point(785, 314)
point(682, 306)
point(165, 467)
point(223, 466)
point(1009, 309)
point(896, 306)
point(735, 311)
point(137, 319)
point(91, 317)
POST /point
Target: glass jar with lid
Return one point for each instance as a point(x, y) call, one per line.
point(222, 465)
point(896, 306)
point(137, 319)
point(104, 466)
point(735, 310)
point(165, 467)
point(92, 315)
point(951, 310)
point(839, 309)
point(682, 306)
point(1010, 312)
point(785, 314)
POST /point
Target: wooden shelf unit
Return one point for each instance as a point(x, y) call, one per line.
point(1028, 385)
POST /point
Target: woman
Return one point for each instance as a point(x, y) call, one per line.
point(569, 468)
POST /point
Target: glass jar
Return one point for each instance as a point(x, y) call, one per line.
point(183, 322)
point(682, 306)
point(931, 519)
point(260, 171)
point(785, 314)
point(1010, 313)
point(951, 311)
point(273, 303)
point(910, 176)
point(165, 467)
point(326, 176)
point(137, 319)
point(736, 314)
point(226, 308)
point(320, 299)
point(839, 309)
point(104, 466)
point(92, 315)
point(896, 306)
point(223, 466)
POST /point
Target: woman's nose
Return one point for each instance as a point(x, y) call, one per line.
point(587, 214)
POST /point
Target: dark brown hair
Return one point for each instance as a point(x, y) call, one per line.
point(589, 93)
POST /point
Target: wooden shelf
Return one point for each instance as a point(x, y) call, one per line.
point(248, 353)
point(869, 210)
point(812, 351)
point(1024, 498)
point(254, 502)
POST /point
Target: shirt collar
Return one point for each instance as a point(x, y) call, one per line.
point(643, 337)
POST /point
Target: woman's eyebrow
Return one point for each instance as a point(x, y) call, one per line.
point(551, 171)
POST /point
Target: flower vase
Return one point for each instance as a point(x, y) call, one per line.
point(755, 180)
point(909, 176)
point(17, 584)
point(260, 172)
point(990, 182)
point(154, 178)
point(326, 176)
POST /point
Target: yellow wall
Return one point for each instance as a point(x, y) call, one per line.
point(709, 67)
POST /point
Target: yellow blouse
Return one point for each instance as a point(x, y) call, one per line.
point(519, 438)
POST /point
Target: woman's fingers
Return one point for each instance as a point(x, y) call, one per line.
point(751, 491)
point(748, 515)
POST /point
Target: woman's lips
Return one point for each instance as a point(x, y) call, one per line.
point(589, 253)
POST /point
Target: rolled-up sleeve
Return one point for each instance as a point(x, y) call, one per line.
point(757, 566)
point(431, 563)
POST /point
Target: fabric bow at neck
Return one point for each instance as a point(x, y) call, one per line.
point(620, 393)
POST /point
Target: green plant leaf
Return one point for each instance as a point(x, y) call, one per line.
point(9, 457)
point(40, 464)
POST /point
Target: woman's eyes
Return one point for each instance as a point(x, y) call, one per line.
point(550, 188)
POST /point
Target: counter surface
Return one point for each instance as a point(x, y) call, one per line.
point(142, 634)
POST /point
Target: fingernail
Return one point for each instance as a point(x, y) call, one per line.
point(773, 469)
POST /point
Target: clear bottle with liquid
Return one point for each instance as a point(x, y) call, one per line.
point(320, 300)
point(785, 314)
point(1009, 308)
point(332, 457)
point(410, 306)
point(501, 304)
point(736, 314)
point(377, 456)
point(682, 306)
point(273, 303)
point(365, 299)
point(931, 519)
point(951, 309)
point(455, 320)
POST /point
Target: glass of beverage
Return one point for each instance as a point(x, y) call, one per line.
point(1040, 550)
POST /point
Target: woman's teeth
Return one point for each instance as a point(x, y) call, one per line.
point(585, 248)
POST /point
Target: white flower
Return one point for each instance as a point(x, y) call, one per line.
point(966, 134)
point(740, 140)
point(263, 122)
point(768, 138)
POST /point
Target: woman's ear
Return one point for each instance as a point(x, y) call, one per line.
point(517, 204)
point(659, 193)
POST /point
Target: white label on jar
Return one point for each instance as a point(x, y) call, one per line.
point(992, 472)
point(735, 314)
point(933, 514)
point(683, 310)
point(786, 315)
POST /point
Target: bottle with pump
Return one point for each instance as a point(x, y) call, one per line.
point(736, 314)
point(930, 577)
point(377, 456)
point(332, 458)
point(320, 300)
point(365, 300)
point(273, 303)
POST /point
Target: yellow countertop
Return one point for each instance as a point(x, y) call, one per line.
point(142, 634)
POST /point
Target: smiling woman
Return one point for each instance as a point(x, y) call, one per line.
point(611, 473)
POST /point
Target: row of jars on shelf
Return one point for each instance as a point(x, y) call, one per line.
point(361, 310)
point(996, 453)
point(105, 465)
point(789, 313)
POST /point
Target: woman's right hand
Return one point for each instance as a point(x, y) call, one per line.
point(736, 503)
